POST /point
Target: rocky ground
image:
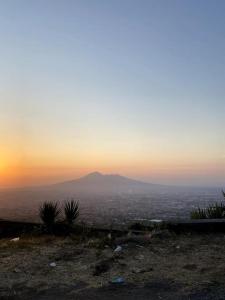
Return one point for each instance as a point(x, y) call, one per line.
point(161, 266)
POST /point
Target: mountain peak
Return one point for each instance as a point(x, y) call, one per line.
point(94, 175)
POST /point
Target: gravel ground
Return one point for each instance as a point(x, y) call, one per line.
point(165, 266)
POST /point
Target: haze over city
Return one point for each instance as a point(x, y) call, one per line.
point(128, 87)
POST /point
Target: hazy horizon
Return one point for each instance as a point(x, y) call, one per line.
point(128, 87)
point(93, 173)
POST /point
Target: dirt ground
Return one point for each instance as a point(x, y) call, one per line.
point(161, 267)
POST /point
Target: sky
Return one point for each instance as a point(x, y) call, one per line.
point(123, 86)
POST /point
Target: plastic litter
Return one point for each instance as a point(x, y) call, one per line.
point(139, 246)
point(118, 249)
point(156, 221)
point(118, 280)
point(52, 264)
point(15, 239)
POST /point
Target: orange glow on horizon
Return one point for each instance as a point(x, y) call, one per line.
point(41, 166)
point(38, 174)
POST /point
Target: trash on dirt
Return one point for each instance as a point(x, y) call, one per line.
point(118, 280)
point(156, 221)
point(177, 247)
point(15, 239)
point(52, 264)
point(118, 249)
point(139, 246)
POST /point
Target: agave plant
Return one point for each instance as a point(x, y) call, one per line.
point(49, 212)
point(223, 193)
point(216, 211)
point(71, 211)
point(199, 213)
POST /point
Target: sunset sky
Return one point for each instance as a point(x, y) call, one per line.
point(129, 87)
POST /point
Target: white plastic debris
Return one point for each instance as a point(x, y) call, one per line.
point(139, 246)
point(52, 264)
point(118, 249)
point(118, 280)
point(15, 239)
point(156, 221)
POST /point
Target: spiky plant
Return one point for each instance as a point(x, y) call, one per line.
point(199, 213)
point(49, 212)
point(71, 211)
point(216, 211)
point(223, 193)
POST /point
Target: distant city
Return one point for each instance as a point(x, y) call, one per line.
point(109, 200)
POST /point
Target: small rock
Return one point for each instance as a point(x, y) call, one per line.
point(139, 271)
point(140, 257)
point(85, 267)
point(17, 270)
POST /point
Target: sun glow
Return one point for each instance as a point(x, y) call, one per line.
point(9, 169)
point(4, 164)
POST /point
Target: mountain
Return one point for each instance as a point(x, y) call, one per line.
point(97, 183)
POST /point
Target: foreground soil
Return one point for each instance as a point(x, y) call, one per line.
point(164, 266)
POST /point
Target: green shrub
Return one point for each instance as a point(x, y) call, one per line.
point(71, 211)
point(49, 212)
